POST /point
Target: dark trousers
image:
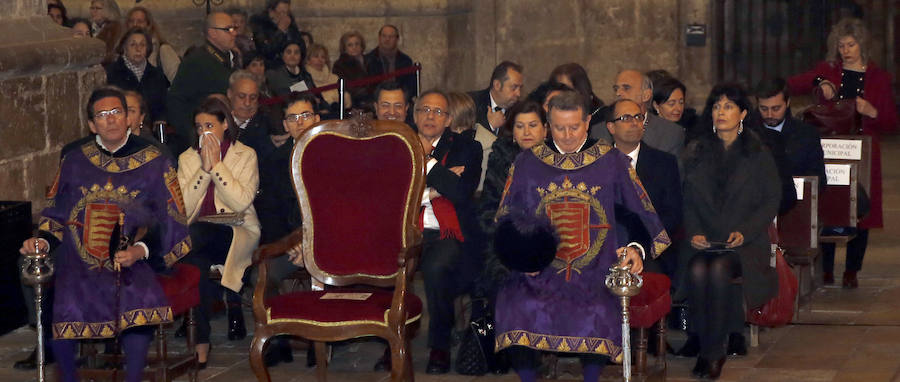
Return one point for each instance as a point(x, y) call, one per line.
point(525, 361)
point(135, 343)
point(715, 300)
point(856, 250)
point(440, 266)
point(210, 244)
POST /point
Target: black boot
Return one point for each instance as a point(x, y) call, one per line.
point(279, 351)
point(691, 348)
point(737, 345)
point(236, 329)
point(30, 362)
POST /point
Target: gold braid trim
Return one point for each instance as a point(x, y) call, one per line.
point(178, 251)
point(561, 344)
point(52, 227)
point(106, 329)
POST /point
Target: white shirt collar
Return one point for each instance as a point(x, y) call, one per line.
point(241, 125)
point(100, 142)
point(579, 147)
point(435, 143)
point(633, 154)
point(778, 127)
point(494, 103)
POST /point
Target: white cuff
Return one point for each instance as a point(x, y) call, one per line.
point(640, 247)
point(46, 243)
point(428, 165)
point(146, 250)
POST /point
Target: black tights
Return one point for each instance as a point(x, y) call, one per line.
point(210, 245)
point(715, 300)
point(856, 250)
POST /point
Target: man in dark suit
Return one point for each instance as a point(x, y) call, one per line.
point(453, 169)
point(505, 90)
point(663, 134)
point(254, 127)
point(387, 57)
point(657, 170)
point(204, 71)
point(801, 141)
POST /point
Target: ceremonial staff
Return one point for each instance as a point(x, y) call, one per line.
point(624, 284)
point(36, 271)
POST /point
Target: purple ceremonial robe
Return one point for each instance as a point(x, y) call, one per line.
point(91, 190)
point(567, 307)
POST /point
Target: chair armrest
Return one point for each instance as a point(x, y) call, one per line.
point(279, 247)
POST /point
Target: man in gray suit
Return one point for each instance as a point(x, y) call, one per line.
point(660, 133)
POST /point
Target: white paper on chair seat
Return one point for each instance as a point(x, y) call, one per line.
point(838, 174)
point(346, 296)
point(846, 149)
point(798, 185)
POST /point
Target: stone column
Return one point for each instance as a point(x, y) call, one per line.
point(45, 78)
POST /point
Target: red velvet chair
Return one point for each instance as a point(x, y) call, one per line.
point(647, 309)
point(180, 287)
point(359, 184)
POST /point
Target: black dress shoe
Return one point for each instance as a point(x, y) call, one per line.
point(181, 332)
point(384, 363)
point(701, 368)
point(691, 348)
point(236, 329)
point(438, 362)
point(30, 362)
point(279, 351)
point(715, 369)
point(311, 356)
point(737, 345)
point(849, 281)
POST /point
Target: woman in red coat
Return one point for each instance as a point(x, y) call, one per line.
point(848, 73)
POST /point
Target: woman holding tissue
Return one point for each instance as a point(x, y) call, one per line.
point(219, 177)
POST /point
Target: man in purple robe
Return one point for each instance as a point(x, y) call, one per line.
point(110, 179)
point(576, 183)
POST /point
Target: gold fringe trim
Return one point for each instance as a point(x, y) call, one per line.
point(106, 329)
point(561, 344)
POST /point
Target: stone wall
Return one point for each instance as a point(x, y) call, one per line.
point(45, 78)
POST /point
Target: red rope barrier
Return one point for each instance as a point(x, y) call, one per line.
point(350, 84)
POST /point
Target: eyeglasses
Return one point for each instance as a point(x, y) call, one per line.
point(306, 116)
point(427, 110)
point(628, 118)
point(229, 29)
point(106, 114)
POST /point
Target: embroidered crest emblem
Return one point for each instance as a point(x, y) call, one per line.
point(99, 219)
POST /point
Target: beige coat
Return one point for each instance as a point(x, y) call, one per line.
point(486, 138)
point(236, 180)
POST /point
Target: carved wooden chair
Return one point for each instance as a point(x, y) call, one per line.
point(359, 184)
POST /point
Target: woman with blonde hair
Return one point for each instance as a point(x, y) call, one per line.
point(462, 112)
point(318, 65)
point(105, 25)
point(352, 66)
point(849, 73)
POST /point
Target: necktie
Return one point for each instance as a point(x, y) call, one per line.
point(498, 108)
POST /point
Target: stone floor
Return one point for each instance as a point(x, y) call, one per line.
point(841, 336)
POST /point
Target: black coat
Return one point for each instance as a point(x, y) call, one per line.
point(256, 135)
point(351, 69)
point(747, 203)
point(270, 41)
point(803, 148)
point(276, 203)
point(374, 66)
point(774, 141)
point(152, 86)
point(482, 100)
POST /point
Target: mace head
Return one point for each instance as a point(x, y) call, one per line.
point(37, 268)
point(621, 282)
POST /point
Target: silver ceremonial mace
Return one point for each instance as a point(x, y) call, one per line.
point(37, 270)
point(624, 284)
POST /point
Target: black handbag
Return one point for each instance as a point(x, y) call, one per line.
point(476, 349)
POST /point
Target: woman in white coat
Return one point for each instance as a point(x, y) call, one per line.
point(219, 178)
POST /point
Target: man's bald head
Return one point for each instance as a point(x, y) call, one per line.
point(634, 85)
point(220, 31)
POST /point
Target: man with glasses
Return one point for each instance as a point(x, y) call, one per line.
point(453, 169)
point(660, 133)
point(657, 170)
point(205, 70)
point(104, 287)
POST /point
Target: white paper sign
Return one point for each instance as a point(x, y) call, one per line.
point(798, 185)
point(838, 174)
point(301, 87)
point(846, 149)
point(346, 296)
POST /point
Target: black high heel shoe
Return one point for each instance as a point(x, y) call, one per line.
point(701, 368)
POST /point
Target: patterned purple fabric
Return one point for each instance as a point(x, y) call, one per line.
point(567, 307)
point(91, 190)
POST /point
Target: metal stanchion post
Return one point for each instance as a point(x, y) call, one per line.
point(418, 79)
point(37, 270)
point(341, 85)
